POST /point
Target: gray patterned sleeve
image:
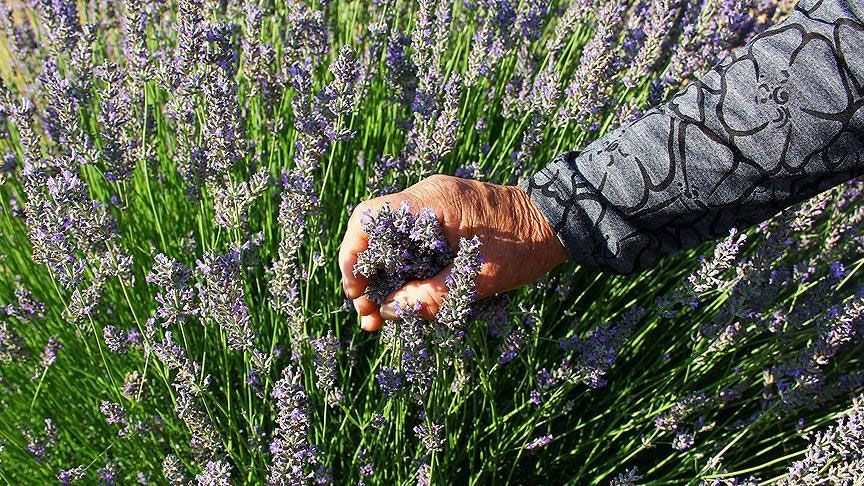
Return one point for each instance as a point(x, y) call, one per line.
point(776, 122)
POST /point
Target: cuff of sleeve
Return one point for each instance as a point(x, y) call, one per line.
point(564, 198)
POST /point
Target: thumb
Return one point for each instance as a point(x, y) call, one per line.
point(429, 293)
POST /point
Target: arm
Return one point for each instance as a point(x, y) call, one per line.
point(776, 122)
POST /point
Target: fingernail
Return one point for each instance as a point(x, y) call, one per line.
point(388, 311)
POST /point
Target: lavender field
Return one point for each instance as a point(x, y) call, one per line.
point(175, 183)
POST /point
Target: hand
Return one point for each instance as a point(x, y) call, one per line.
point(518, 244)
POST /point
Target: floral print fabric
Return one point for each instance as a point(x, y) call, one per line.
point(776, 122)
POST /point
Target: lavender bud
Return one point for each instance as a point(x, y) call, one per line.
point(326, 350)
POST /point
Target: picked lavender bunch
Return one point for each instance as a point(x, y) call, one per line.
point(402, 247)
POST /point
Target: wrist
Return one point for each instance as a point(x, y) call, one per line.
point(539, 232)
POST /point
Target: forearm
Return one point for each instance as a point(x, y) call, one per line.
point(778, 121)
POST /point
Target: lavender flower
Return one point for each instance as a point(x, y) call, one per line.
point(176, 298)
point(418, 362)
point(307, 38)
point(222, 295)
point(402, 247)
point(683, 440)
point(12, 347)
point(378, 421)
point(258, 56)
point(492, 37)
point(390, 382)
point(590, 88)
point(215, 473)
point(367, 469)
point(340, 93)
point(133, 385)
point(49, 354)
point(293, 456)
point(115, 118)
point(38, 444)
point(326, 350)
point(576, 12)
point(401, 73)
point(538, 443)
point(108, 474)
point(593, 355)
point(430, 436)
point(135, 41)
point(299, 201)
point(61, 20)
point(833, 456)
point(69, 476)
point(725, 254)
point(461, 288)
point(173, 471)
point(661, 15)
point(117, 340)
point(205, 442)
point(424, 475)
point(630, 477)
point(28, 308)
point(113, 412)
point(673, 418)
point(232, 200)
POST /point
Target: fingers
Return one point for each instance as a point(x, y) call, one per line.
point(372, 322)
point(430, 293)
point(365, 306)
point(354, 241)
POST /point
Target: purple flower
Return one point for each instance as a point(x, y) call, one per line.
point(402, 247)
point(538, 443)
point(69, 476)
point(215, 473)
point(117, 340)
point(591, 86)
point(113, 412)
point(430, 436)
point(326, 351)
point(590, 357)
point(293, 456)
point(49, 354)
point(173, 471)
point(390, 382)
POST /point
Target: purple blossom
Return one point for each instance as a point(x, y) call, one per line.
point(69, 476)
point(538, 443)
point(430, 436)
point(38, 444)
point(833, 455)
point(117, 340)
point(113, 412)
point(173, 471)
point(49, 354)
point(590, 357)
point(326, 351)
point(591, 86)
point(293, 456)
point(390, 381)
point(402, 247)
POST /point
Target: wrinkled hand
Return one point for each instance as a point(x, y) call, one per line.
point(519, 245)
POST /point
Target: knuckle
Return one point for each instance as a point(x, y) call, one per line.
point(432, 299)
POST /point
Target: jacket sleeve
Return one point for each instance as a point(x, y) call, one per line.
point(776, 122)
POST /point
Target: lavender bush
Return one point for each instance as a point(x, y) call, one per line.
point(176, 178)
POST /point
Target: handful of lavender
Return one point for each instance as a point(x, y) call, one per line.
point(404, 247)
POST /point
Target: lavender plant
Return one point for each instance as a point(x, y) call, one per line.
point(175, 181)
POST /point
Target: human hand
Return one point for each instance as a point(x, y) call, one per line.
point(519, 245)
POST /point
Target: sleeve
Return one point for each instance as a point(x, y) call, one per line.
point(776, 122)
